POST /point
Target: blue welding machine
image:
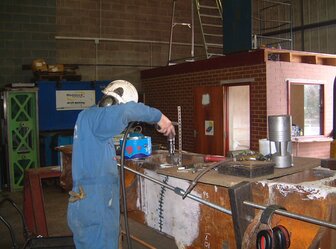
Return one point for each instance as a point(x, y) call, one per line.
point(137, 146)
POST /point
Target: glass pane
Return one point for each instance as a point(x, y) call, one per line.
point(312, 117)
point(239, 117)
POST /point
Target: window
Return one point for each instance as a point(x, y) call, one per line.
point(306, 108)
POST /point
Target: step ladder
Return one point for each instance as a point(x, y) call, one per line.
point(211, 23)
point(189, 25)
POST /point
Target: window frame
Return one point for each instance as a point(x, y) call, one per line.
point(322, 100)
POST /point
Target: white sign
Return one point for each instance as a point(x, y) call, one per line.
point(209, 127)
point(74, 99)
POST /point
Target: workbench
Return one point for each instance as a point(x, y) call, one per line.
point(305, 189)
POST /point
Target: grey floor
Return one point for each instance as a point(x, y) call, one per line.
point(55, 207)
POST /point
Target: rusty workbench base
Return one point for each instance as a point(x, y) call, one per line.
point(197, 226)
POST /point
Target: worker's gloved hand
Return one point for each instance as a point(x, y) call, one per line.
point(165, 126)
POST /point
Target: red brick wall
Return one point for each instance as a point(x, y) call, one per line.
point(277, 75)
point(168, 92)
point(313, 149)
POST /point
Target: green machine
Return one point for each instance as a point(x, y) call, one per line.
point(19, 134)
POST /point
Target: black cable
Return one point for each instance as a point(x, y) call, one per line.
point(195, 181)
point(123, 186)
point(14, 245)
point(25, 227)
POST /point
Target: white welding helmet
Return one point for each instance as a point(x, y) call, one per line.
point(122, 90)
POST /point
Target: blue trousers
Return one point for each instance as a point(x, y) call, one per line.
point(95, 220)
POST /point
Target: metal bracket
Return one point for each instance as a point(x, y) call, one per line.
point(268, 212)
point(242, 215)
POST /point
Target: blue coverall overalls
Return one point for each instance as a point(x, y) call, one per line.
point(94, 218)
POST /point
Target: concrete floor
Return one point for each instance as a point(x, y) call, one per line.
point(55, 207)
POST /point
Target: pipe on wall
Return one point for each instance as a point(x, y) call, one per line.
point(97, 40)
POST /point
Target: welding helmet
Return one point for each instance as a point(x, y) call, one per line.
point(117, 92)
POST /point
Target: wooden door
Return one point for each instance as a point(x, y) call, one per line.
point(208, 120)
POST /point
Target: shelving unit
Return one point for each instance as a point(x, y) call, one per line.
point(272, 24)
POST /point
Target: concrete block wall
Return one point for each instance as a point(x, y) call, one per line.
point(27, 32)
point(136, 36)
point(139, 30)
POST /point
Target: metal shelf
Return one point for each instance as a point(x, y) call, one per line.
point(270, 16)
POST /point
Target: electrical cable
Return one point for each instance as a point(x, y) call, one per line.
point(26, 233)
point(14, 245)
point(25, 227)
point(195, 181)
point(123, 185)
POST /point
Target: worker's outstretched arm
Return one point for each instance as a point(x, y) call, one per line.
point(166, 126)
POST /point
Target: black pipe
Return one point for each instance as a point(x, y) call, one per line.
point(123, 186)
point(301, 28)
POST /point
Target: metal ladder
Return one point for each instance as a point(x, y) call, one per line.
point(190, 26)
point(211, 23)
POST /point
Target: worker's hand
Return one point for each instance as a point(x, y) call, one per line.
point(165, 126)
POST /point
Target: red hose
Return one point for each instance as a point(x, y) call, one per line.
point(214, 158)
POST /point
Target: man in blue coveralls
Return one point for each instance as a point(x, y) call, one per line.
point(93, 211)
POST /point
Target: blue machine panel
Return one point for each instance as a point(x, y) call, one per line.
point(51, 119)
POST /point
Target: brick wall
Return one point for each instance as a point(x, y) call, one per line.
point(277, 75)
point(27, 32)
point(173, 86)
point(279, 72)
point(312, 149)
point(172, 90)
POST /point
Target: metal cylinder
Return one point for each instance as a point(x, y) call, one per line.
point(171, 145)
point(280, 128)
point(280, 132)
